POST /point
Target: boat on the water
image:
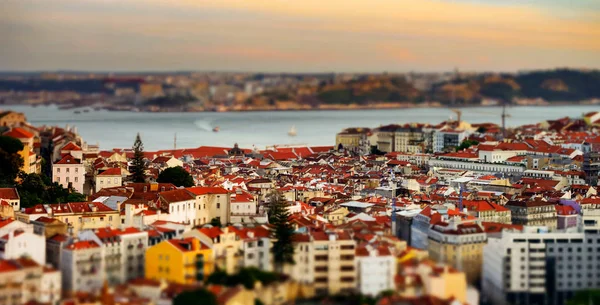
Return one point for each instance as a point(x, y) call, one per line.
point(76, 112)
point(292, 132)
point(216, 129)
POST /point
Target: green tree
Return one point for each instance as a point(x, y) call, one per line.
point(35, 188)
point(216, 222)
point(10, 160)
point(466, 144)
point(138, 166)
point(196, 297)
point(585, 297)
point(176, 175)
point(283, 249)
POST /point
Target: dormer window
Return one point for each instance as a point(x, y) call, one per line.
point(145, 189)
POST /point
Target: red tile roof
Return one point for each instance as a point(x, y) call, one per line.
point(19, 133)
point(68, 159)
point(200, 190)
point(81, 245)
point(9, 193)
point(211, 232)
point(5, 222)
point(176, 195)
point(186, 244)
point(71, 147)
point(111, 172)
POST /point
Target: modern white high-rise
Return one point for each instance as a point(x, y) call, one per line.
point(537, 267)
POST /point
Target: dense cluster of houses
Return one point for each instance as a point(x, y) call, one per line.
point(504, 221)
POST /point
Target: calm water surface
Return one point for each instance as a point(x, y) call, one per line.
point(118, 129)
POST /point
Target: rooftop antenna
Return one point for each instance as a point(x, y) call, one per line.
point(460, 197)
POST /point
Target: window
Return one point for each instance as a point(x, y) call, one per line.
point(67, 179)
point(67, 169)
point(76, 170)
point(218, 205)
point(76, 179)
point(116, 180)
point(109, 218)
point(58, 169)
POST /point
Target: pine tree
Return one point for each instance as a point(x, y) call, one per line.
point(283, 249)
point(138, 167)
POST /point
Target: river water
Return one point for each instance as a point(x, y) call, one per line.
point(118, 129)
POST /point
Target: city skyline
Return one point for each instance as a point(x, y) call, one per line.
point(306, 36)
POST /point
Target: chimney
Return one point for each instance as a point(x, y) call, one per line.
point(195, 244)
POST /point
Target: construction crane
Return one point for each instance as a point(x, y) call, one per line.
point(458, 114)
point(503, 116)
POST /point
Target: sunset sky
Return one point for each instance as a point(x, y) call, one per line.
point(299, 35)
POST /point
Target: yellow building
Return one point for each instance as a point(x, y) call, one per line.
point(76, 215)
point(31, 162)
point(183, 261)
point(352, 139)
point(11, 118)
point(224, 243)
point(459, 245)
point(420, 276)
point(336, 216)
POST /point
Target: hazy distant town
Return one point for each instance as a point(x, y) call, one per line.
point(188, 91)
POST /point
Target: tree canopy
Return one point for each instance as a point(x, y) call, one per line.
point(176, 175)
point(246, 276)
point(35, 188)
point(10, 160)
point(138, 166)
point(283, 249)
point(466, 144)
point(196, 297)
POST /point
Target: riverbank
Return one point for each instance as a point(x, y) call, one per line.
point(376, 106)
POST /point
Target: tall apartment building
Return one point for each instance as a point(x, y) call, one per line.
point(536, 267)
point(408, 138)
point(591, 165)
point(23, 280)
point(82, 266)
point(448, 139)
point(376, 270)
point(460, 245)
point(533, 213)
point(354, 140)
point(124, 252)
point(326, 260)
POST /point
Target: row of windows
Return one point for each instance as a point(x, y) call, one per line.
point(67, 170)
point(107, 180)
point(194, 206)
point(67, 179)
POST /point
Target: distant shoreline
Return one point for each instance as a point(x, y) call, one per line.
point(395, 106)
